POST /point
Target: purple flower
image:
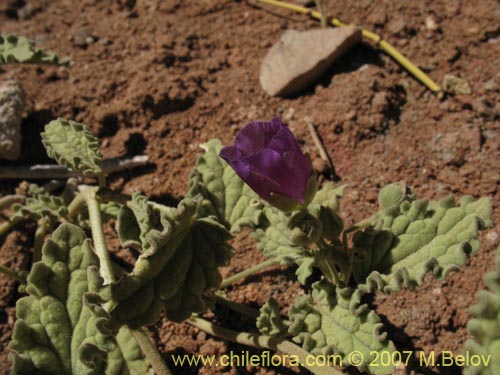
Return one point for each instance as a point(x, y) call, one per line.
point(268, 158)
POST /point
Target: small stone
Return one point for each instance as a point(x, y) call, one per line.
point(83, 37)
point(396, 26)
point(11, 108)
point(431, 24)
point(379, 102)
point(492, 236)
point(300, 58)
point(490, 85)
point(456, 86)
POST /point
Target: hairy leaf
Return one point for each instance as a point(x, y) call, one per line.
point(61, 326)
point(329, 196)
point(485, 326)
point(269, 321)
point(406, 241)
point(179, 264)
point(127, 358)
point(274, 238)
point(18, 49)
point(39, 206)
point(225, 195)
point(332, 321)
point(73, 145)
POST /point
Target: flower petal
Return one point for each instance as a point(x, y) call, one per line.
point(284, 141)
point(256, 136)
point(229, 154)
point(269, 163)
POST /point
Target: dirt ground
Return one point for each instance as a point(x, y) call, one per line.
point(161, 77)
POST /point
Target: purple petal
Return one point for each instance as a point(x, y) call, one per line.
point(256, 136)
point(229, 154)
point(285, 141)
point(289, 180)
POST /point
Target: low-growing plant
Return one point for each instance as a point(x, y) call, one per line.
point(84, 314)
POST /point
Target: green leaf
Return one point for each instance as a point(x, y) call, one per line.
point(404, 242)
point(225, 195)
point(39, 206)
point(329, 196)
point(127, 358)
point(485, 326)
point(18, 49)
point(269, 321)
point(274, 238)
point(179, 264)
point(61, 326)
point(332, 321)
point(73, 145)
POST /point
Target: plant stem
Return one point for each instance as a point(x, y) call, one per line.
point(9, 200)
point(248, 272)
point(41, 231)
point(106, 267)
point(50, 171)
point(75, 205)
point(150, 351)
point(263, 342)
point(13, 274)
point(321, 9)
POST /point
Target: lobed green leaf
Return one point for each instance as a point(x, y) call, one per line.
point(225, 195)
point(269, 321)
point(61, 326)
point(333, 321)
point(73, 145)
point(39, 206)
point(18, 49)
point(405, 241)
point(179, 262)
point(484, 327)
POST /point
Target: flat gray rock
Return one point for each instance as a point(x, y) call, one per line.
point(11, 108)
point(300, 58)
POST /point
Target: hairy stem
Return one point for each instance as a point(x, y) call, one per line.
point(150, 351)
point(248, 272)
point(106, 267)
point(41, 231)
point(76, 205)
point(263, 342)
point(9, 200)
point(13, 274)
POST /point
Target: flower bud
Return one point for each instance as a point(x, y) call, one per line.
point(267, 157)
point(306, 228)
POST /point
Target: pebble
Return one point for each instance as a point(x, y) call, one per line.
point(490, 85)
point(300, 58)
point(431, 24)
point(379, 101)
point(83, 37)
point(456, 86)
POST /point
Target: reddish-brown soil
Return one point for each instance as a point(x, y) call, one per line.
point(161, 77)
